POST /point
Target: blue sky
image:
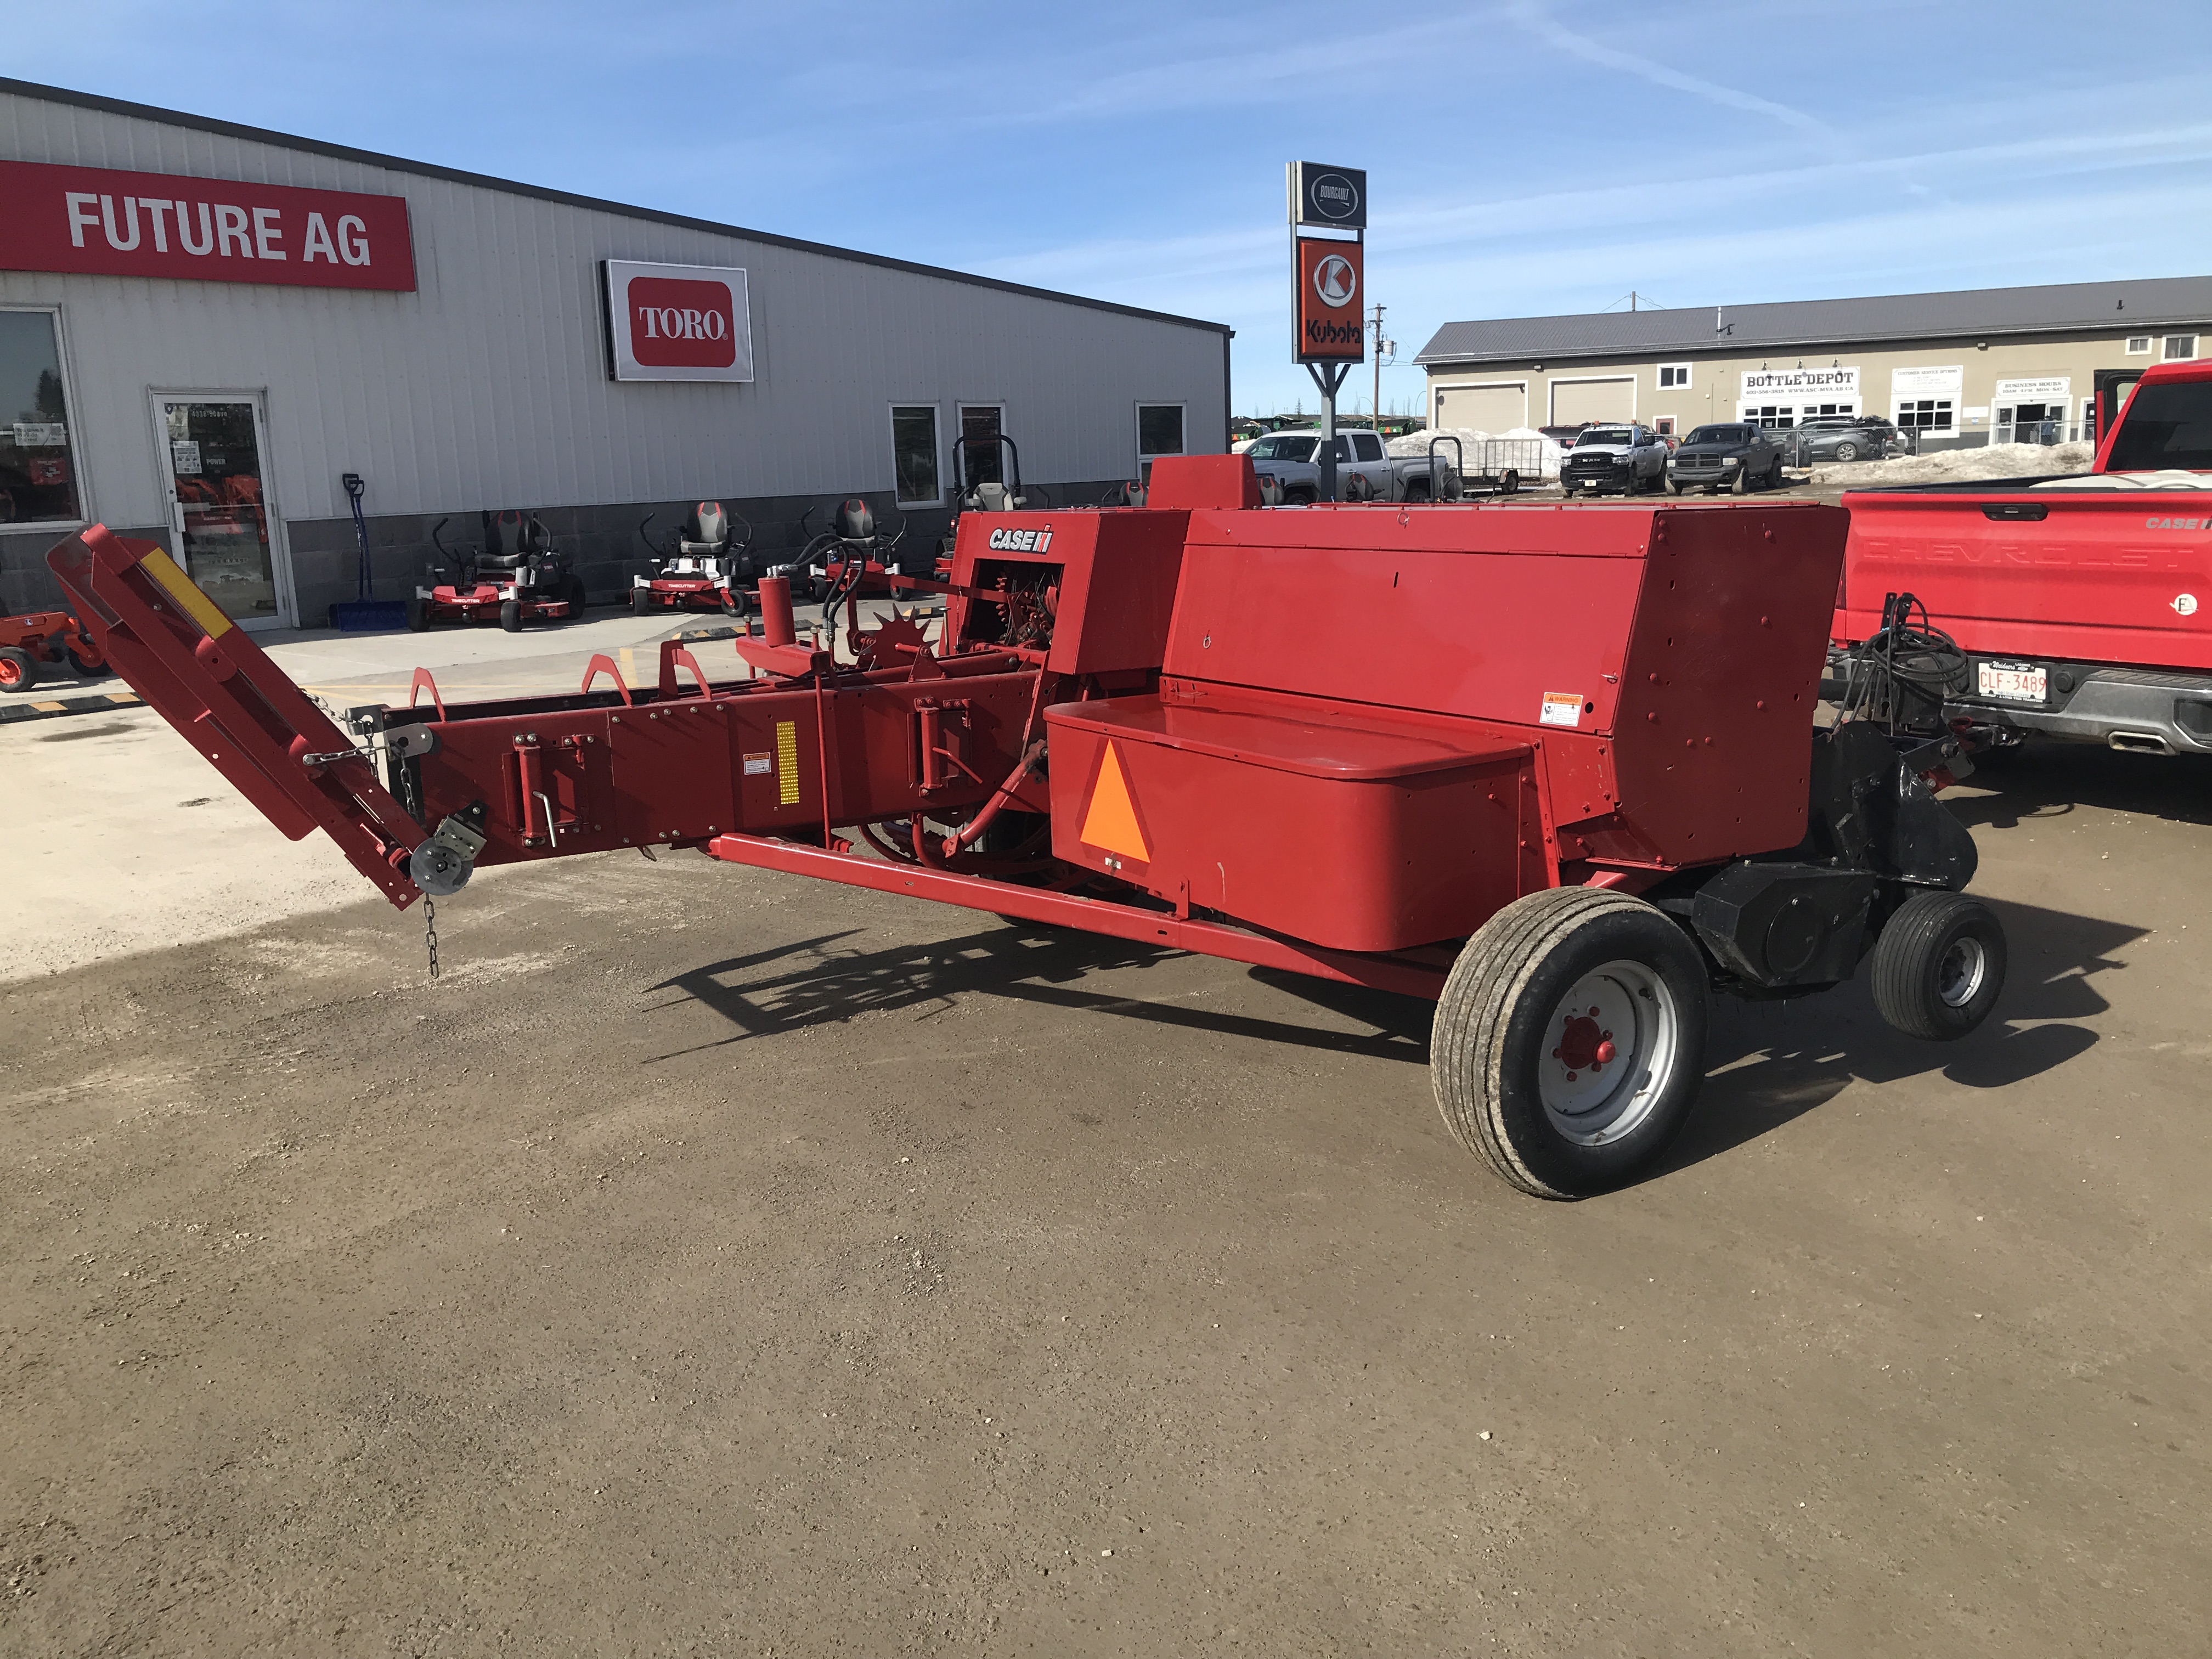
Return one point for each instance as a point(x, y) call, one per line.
point(1524, 157)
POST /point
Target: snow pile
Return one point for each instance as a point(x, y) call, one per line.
point(1946, 465)
point(1475, 445)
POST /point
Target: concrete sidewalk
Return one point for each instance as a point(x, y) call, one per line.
point(122, 838)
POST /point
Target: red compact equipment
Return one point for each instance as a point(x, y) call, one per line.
point(1554, 768)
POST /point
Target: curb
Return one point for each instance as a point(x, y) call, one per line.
point(29, 706)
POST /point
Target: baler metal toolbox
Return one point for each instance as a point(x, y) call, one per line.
point(1554, 767)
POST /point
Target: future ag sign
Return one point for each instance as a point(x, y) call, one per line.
point(1330, 281)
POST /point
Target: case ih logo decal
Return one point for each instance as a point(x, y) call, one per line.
point(108, 223)
point(1020, 541)
point(678, 322)
point(2178, 524)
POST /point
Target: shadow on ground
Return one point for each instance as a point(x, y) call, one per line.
point(1768, 1063)
point(2050, 780)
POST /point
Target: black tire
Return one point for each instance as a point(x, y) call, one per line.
point(418, 613)
point(1741, 484)
point(1568, 491)
point(1674, 487)
point(640, 602)
point(86, 666)
point(1298, 498)
point(1494, 1051)
point(1511, 484)
point(510, 615)
point(1847, 451)
point(1774, 474)
point(19, 669)
point(1939, 966)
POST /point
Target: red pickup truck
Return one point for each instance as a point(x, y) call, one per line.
point(2081, 604)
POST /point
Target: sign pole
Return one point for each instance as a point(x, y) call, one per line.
point(1327, 268)
point(1328, 377)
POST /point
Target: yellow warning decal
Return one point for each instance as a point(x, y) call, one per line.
point(180, 587)
point(787, 761)
point(1110, 824)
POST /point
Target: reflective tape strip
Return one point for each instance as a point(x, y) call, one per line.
point(180, 587)
point(787, 761)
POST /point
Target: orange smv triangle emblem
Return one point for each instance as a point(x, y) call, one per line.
point(1110, 824)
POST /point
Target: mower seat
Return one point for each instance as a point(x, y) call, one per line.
point(707, 531)
point(994, 498)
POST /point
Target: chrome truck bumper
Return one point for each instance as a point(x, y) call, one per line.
point(2135, 709)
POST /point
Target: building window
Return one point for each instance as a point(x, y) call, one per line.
point(1673, 376)
point(983, 458)
point(1925, 414)
point(913, 454)
point(1159, 431)
point(2138, 345)
point(1664, 426)
point(38, 463)
point(2180, 346)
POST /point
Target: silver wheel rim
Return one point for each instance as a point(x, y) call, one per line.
point(1610, 1045)
point(1960, 974)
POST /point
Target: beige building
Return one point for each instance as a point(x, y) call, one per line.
point(1975, 366)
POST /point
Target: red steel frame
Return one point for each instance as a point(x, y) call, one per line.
point(1345, 736)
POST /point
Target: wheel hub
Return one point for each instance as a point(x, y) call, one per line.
point(1615, 1038)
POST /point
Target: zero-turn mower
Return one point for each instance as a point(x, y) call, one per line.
point(44, 638)
point(515, 576)
point(701, 567)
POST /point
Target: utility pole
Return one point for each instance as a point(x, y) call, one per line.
point(1376, 323)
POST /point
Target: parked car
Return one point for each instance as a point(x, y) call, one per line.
point(1629, 459)
point(1737, 458)
point(1288, 457)
point(1844, 438)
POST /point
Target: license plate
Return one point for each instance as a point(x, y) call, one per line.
point(2011, 681)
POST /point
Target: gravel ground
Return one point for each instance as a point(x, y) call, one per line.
point(714, 1262)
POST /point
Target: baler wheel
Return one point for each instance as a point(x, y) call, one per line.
point(1569, 1043)
point(1939, 966)
point(18, 670)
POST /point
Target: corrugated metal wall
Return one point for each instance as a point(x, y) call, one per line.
point(487, 387)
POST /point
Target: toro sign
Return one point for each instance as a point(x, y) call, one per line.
point(678, 322)
point(1329, 309)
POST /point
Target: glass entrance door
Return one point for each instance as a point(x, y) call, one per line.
point(212, 448)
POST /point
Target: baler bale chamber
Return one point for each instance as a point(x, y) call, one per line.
point(1555, 767)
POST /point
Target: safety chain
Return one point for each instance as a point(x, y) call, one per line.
point(430, 932)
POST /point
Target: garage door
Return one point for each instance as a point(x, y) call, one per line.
point(1498, 408)
point(1575, 401)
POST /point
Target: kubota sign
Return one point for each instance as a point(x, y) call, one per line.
point(1329, 309)
point(678, 322)
point(109, 223)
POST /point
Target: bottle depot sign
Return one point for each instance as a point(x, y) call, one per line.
point(103, 223)
point(678, 322)
point(1336, 196)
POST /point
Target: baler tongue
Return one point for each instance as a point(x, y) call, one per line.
point(203, 674)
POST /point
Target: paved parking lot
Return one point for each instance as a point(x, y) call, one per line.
point(718, 1262)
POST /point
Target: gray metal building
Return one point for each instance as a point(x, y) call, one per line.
point(224, 402)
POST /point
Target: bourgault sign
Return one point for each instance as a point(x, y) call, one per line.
point(100, 221)
point(678, 322)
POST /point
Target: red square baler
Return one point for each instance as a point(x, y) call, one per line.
point(1555, 767)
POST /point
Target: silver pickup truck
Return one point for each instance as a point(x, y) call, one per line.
point(1288, 457)
point(1629, 459)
